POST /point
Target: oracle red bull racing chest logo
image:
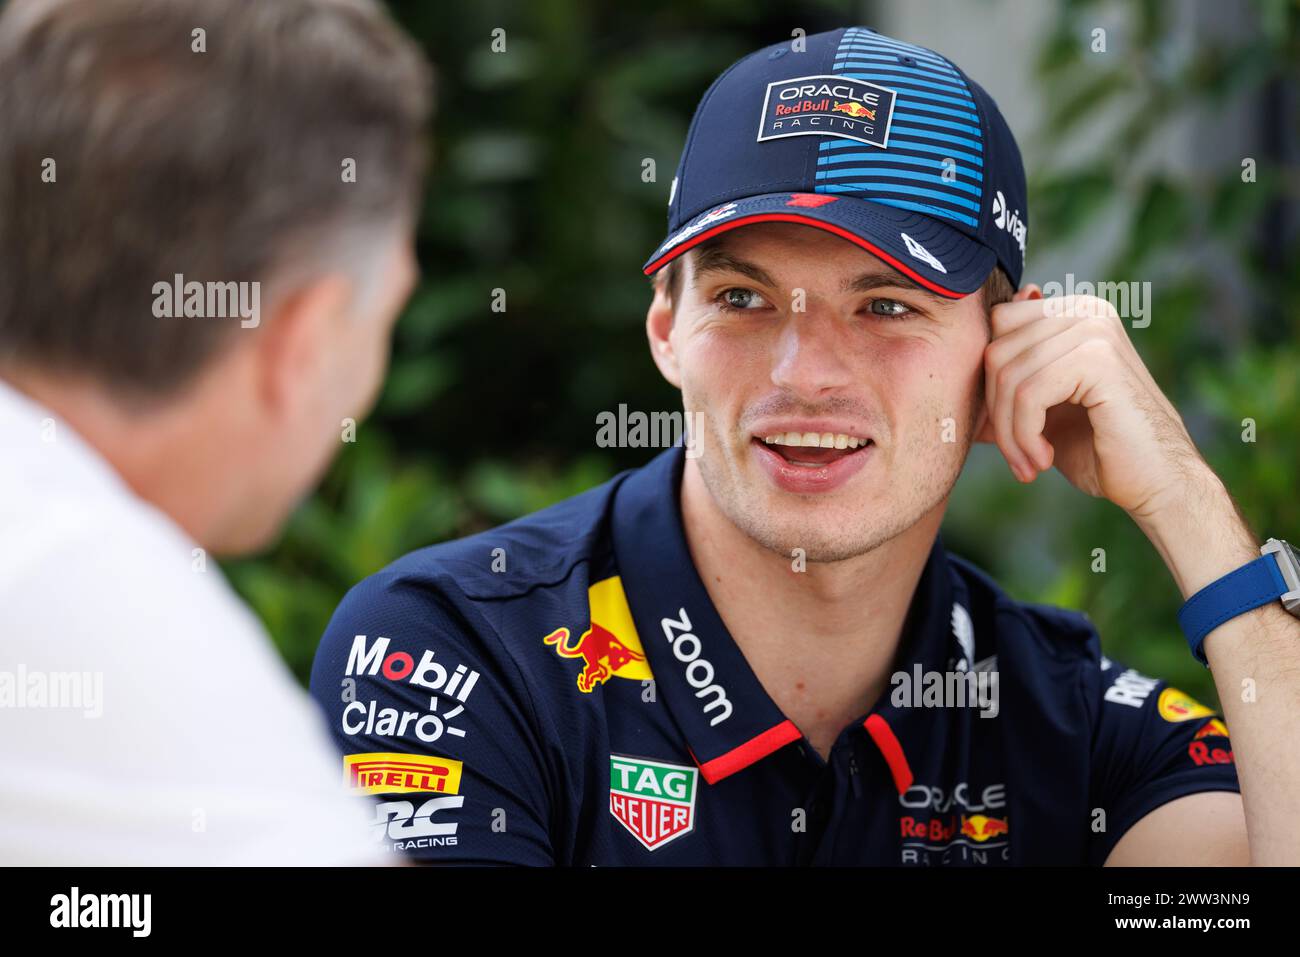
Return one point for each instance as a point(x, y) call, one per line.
point(959, 825)
point(654, 800)
point(610, 647)
point(827, 105)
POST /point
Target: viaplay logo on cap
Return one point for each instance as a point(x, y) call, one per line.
point(827, 106)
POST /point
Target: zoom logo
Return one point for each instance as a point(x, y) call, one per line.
point(699, 671)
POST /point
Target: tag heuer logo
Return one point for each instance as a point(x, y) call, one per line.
point(653, 800)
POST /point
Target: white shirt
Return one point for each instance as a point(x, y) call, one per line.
point(145, 717)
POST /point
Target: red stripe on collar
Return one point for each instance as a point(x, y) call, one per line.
point(892, 751)
point(742, 756)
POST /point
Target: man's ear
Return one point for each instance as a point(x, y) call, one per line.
point(293, 351)
point(658, 329)
point(1028, 291)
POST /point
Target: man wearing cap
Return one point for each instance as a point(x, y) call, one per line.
point(756, 650)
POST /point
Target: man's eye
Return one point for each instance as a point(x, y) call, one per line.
point(740, 298)
point(889, 308)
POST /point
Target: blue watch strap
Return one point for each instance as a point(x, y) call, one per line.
point(1250, 586)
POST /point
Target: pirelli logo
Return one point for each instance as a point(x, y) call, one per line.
point(389, 772)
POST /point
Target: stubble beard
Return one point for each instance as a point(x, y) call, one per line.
point(738, 492)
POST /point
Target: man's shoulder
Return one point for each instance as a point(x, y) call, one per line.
point(450, 653)
point(113, 562)
point(1033, 628)
point(486, 600)
point(1049, 647)
point(507, 561)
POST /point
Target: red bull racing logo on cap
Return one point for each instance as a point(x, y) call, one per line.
point(610, 647)
point(855, 110)
point(827, 106)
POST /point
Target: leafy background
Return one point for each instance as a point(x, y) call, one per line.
point(537, 190)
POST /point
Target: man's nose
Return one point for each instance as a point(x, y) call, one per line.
point(810, 356)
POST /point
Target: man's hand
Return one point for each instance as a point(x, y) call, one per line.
point(1065, 387)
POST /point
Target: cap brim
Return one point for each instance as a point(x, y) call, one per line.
point(956, 266)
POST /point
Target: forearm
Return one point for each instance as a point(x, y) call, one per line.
point(1254, 658)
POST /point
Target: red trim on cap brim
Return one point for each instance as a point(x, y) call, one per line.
point(804, 221)
point(746, 754)
point(892, 751)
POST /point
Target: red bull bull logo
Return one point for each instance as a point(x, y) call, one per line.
point(980, 828)
point(610, 647)
point(855, 110)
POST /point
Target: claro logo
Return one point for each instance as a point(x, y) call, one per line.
point(699, 671)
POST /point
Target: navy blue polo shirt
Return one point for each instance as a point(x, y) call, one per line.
point(561, 690)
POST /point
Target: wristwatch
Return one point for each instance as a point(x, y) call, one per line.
point(1275, 574)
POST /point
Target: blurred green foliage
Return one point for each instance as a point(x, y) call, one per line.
point(538, 190)
point(1224, 336)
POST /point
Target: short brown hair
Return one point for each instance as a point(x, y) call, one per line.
point(997, 287)
point(221, 164)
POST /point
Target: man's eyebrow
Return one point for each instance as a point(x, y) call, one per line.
point(876, 280)
point(717, 260)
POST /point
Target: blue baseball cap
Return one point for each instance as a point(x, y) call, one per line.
point(884, 143)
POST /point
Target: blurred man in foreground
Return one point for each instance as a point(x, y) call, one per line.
point(208, 210)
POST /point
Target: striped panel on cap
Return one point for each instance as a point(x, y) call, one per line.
point(935, 119)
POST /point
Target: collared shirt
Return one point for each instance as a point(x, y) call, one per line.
point(145, 718)
point(562, 690)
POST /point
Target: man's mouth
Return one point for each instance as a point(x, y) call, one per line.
point(814, 449)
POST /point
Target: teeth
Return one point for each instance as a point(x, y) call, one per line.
point(824, 440)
